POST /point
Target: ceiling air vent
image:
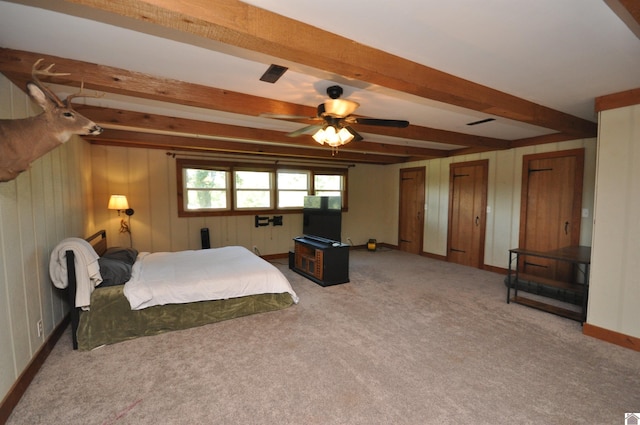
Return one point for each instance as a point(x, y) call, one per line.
point(273, 74)
point(481, 121)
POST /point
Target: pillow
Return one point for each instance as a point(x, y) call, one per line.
point(114, 272)
point(126, 255)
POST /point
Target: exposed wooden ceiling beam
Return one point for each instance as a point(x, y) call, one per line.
point(618, 100)
point(238, 24)
point(628, 11)
point(541, 140)
point(16, 65)
point(183, 143)
point(203, 134)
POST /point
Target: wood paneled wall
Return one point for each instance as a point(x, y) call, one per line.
point(503, 216)
point(614, 296)
point(147, 178)
point(41, 207)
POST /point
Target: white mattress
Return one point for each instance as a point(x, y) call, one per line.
point(161, 278)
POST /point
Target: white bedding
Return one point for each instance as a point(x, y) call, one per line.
point(187, 276)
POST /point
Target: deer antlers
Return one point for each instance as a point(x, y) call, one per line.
point(35, 72)
point(46, 72)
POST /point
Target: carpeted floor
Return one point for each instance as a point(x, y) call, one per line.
point(409, 340)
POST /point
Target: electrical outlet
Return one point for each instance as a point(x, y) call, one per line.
point(40, 328)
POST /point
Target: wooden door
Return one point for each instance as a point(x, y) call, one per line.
point(411, 217)
point(550, 209)
point(467, 212)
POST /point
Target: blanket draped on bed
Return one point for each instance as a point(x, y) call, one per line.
point(111, 319)
point(86, 263)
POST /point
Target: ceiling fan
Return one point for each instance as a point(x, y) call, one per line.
point(336, 128)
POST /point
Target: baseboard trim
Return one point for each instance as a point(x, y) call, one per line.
point(613, 337)
point(495, 269)
point(270, 257)
point(434, 256)
point(19, 387)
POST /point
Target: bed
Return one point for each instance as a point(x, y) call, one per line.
point(106, 308)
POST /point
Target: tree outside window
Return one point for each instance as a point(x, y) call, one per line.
point(206, 189)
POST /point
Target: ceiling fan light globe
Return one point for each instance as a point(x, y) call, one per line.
point(330, 132)
point(345, 136)
point(340, 107)
point(333, 137)
point(319, 136)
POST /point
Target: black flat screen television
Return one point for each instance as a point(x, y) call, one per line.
point(322, 216)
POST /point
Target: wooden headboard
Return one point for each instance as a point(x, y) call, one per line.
point(99, 241)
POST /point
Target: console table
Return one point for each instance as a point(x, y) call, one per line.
point(323, 261)
point(579, 256)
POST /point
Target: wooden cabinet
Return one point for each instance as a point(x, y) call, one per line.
point(321, 260)
point(578, 258)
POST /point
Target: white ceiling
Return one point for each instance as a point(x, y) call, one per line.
point(557, 53)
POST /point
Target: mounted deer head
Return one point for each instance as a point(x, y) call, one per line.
point(22, 141)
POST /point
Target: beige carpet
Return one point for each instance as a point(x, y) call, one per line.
point(409, 340)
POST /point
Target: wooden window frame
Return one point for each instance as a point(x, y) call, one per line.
point(230, 167)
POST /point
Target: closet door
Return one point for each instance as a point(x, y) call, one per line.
point(550, 209)
point(411, 217)
point(467, 212)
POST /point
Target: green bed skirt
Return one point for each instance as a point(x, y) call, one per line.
point(111, 319)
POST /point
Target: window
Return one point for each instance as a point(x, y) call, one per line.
point(293, 186)
point(253, 189)
point(328, 185)
point(207, 188)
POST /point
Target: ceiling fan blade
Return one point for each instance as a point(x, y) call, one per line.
point(305, 130)
point(381, 122)
point(356, 136)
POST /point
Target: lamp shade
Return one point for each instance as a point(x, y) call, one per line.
point(340, 107)
point(118, 202)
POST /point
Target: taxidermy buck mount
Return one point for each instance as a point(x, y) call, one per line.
point(22, 141)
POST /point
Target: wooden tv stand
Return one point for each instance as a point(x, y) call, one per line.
point(323, 261)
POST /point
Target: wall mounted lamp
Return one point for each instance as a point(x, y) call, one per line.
point(120, 203)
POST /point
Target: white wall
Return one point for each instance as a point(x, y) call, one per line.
point(614, 296)
point(38, 209)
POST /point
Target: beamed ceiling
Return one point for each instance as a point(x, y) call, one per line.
point(184, 76)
